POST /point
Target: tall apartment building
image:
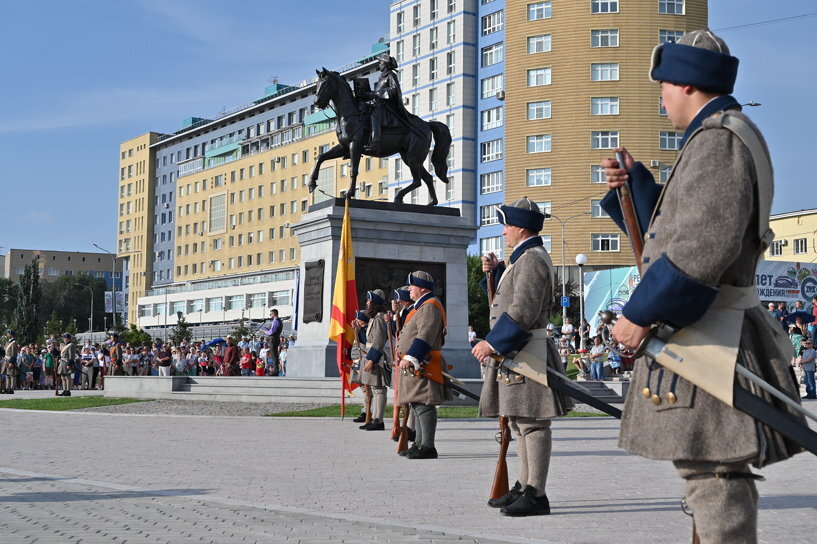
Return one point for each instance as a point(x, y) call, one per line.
point(205, 211)
point(543, 90)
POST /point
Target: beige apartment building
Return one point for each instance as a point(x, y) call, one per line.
point(795, 237)
point(53, 264)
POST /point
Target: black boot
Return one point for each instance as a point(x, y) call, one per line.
point(361, 418)
point(423, 452)
point(528, 504)
point(412, 434)
point(412, 449)
point(507, 498)
point(375, 425)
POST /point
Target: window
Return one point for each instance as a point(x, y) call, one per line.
point(257, 300)
point(604, 139)
point(218, 212)
point(539, 143)
point(607, 105)
point(235, 302)
point(538, 177)
point(433, 39)
point(670, 140)
point(452, 6)
point(492, 54)
point(539, 110)
point(415, 75)
point(281, 298)
point(597, 174)
point(607, 71)
point(432, 99)
point(491, 85)
point(415, 104)
point(415, 16)
point(604, 38)
point(545, 208)
point(450, 63)
point(490, 182)
point(432, 68)
point(492, 244)
point(604, 242)
point(538, 11)
point(663, 173)
point(434, 8)
point(492, 118)
point(450, 32)
point(401, 22)
point(491, 150)
point(488, 215)
point(450, 96)
point(604, 6)
point(538, 77)
point(595, 208)
point(539, 44)
point(800, 246)
point(671, 7)
point(546, 240)
point(777, 248)
point(415, 45)
point(492, 23)
point(669, 36)
point(215, 304)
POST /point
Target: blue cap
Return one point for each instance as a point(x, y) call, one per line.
point(402, 293)
point(421, 279)
point(699, 58)
point(360, 315)
point(376, 296)
point(523, 213)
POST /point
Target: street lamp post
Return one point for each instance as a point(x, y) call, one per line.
point(113, 285)
point(581, 260)
point(91, 314)
point(562, 222)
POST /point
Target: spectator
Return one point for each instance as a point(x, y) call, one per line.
point(247, 362)
point(48, 367)
point(163, 359)
point(567, 330)
point(87, 358)
point(231, 356)
point(565, 350)
point(282, 362)
point(796, 337)
point(260, 365)
point(597, 359)
point(807, 363)
point(472, 336)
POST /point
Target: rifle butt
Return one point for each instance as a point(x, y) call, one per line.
point(499, 487)
point(402, 442)
point(368, 405)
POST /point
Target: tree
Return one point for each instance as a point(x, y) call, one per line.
point(25, 319)
point(53, 327)
point(180, 332)
point(241, 330)
point(8, 298)
point(70, 297)
point(477, 298)
point(136, 337)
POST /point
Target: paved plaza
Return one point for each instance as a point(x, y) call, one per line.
point(90, 477)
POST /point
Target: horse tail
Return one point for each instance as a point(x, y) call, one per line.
point(442, 143)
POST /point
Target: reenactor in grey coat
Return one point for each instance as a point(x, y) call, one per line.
point(521, 305)
point(10, 369)
point(376, 366)
point(705, 230)
point(422, 383)
point(67, 364)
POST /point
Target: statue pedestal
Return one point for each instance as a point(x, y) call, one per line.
point(389, 242)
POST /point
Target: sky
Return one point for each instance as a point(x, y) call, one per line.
point(78, 77)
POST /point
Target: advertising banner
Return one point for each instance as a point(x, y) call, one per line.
point(777, 281)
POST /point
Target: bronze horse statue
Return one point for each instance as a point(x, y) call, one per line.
point(354, 130)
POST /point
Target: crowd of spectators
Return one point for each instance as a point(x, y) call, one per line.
point(34, 365)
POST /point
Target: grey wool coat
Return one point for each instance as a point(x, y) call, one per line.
point(377, 338)
point(706, 224)
point(427, 324)
point(9, 364)
point(525, 294)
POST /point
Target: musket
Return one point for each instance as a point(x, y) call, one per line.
point(367, 402)
point(500, 484)
point(654, 346)
point(395, 426)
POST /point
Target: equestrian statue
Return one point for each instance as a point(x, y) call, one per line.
point(376, 123)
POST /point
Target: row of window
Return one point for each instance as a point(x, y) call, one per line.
point(492, 182)
point(665, 7)
point(489, 215)
point(433, 11)
point(218, 304)
point(799, 247)
point(239, 262)
point(599, 242)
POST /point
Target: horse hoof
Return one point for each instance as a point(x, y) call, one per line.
point(433, 202)
point(398, 200)
point(312, 187)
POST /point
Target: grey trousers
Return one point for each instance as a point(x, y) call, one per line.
point(534, 445)
point(725, 510)
point(425, 424)
point(378, 401)
point(87, 377)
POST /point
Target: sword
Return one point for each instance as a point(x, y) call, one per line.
point(563, 384)
point(654, 346)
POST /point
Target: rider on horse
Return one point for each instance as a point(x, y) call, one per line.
point(386, 96)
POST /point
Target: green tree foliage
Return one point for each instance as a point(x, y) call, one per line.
point(241, 329)
point(136, 337)
point(53, 327)
point(25, 319)
point(69, 298)
point(8, 299)
point(181, 331)
point(477, 298)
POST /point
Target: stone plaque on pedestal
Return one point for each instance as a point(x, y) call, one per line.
point(389, 241)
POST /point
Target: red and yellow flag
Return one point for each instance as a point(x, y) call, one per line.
point(344, 306)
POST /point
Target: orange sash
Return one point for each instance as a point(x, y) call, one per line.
point(433, 369)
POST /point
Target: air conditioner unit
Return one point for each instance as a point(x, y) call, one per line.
point(500, 95)
point(405, 101)
point(784, 242)
point(232, 227)
point(277, 159)
point(654, 163)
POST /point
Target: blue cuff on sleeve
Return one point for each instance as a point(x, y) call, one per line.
point(507, 336)
point(419, 349)
point(667, 295)
point(645, 196)
point(374, 355)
